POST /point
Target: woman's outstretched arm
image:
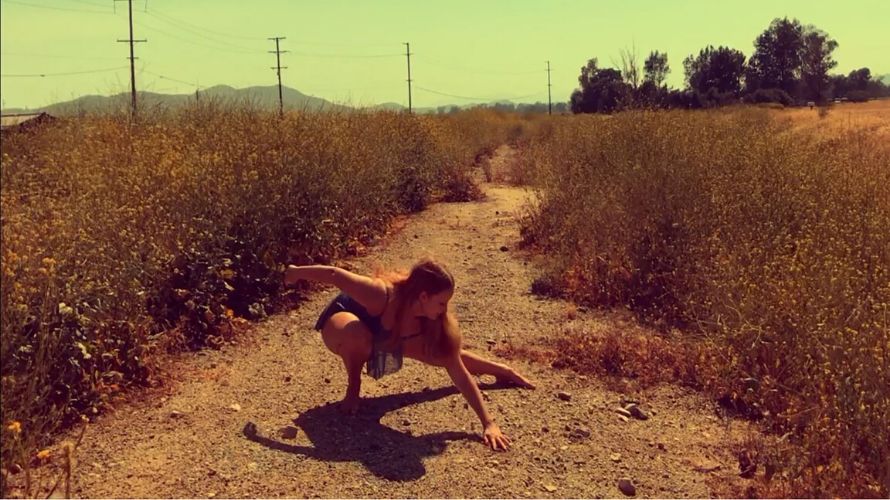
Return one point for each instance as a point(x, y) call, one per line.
point(491, 433)
point(369, 292)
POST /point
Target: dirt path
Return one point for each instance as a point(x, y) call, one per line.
point(416, 438)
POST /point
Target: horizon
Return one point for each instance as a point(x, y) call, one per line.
point(496, 51)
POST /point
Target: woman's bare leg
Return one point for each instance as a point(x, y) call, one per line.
point(346, 336)
point(477, 365)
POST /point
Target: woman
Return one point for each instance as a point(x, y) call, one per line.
point(377, 321)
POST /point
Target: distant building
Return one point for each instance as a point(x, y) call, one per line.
point(23, 121)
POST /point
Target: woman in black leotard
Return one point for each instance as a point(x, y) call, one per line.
point(377, 322)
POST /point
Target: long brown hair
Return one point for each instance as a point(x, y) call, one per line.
point(441, 335)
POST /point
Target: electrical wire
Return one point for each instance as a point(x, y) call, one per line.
point(57, 56)
point(149, 27)
point(41, 75)
point(346, 56)
point(94, 4)
point(183, 26)
point(436, 63)
point(473, 98)
point(170, 19)
point(192, 84)
point(66, 9)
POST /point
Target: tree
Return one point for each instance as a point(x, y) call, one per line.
point(720, 69)
point(815, 62)
point(776, 60)
point(602, 90)
point(858, 85)
point(858, 79)
point(630, 66)
point(656, 68)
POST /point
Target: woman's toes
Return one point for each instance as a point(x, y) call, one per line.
point(349, 406)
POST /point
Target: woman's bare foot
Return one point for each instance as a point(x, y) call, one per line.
point(511, 377)
point(350, 405)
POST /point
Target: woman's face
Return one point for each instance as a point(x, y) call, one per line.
point(435, 305)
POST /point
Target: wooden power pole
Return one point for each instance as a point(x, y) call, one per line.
point(132, 57)
point(278, 69)
point(408, 55)
point(549, 105)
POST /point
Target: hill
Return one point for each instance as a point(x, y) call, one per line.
point(263, 97)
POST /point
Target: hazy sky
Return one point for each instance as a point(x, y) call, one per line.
point(352, 51)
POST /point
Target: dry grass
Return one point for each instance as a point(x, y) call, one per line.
point(768, 241)
point(121, 240)
point(873, 116)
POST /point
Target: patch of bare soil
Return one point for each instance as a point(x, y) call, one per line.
point(258, 419)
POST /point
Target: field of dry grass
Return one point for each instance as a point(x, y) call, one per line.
point(763, 235)
point(121, 242)
point(760, 238)
point(873, 116)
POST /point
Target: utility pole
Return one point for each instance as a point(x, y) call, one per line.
point(132, 58)
point(549, 105)
point(278, 69)
point(408, 55)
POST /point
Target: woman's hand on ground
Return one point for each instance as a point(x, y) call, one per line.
point(493, 437)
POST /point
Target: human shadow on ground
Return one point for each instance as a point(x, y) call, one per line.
point(396, 455)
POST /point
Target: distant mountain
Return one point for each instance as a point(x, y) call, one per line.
point(262, 97)
point(885, 79)
point(389, 106)
point(265, 97)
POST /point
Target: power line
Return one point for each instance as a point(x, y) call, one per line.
point(67, 9)
point(56, 56)
point(171, 19)
point(94, 4)
point(169, 78)
point(40, 75)
point(334, 44)
point(197, 44)
point(433, 62)
point(231, 47)
point(218, 34)
point(215, 39)
point(348, 56)
point(473, 98)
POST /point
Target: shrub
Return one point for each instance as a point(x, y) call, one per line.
point(119, 240)
point(858, 96)
point(769, 243)
point(760, 96)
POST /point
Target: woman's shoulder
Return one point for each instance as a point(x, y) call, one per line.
point(390, 289)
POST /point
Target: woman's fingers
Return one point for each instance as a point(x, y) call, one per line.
point(504, 443)
point(498, 443)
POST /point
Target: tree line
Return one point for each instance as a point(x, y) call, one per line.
point(790, 65)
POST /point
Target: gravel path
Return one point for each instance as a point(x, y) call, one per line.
point(416, 437)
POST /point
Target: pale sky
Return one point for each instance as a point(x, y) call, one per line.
point(352, 51)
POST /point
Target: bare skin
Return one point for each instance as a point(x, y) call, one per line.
point(345, 335)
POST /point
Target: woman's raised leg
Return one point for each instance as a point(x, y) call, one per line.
point(346, 336)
